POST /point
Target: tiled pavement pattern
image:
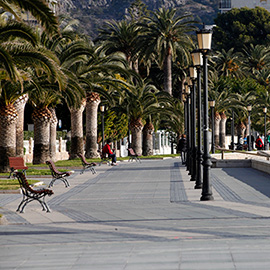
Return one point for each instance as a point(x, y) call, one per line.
point(142, 216)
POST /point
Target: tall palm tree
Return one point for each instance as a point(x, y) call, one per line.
point(8, 117)
point(42, 96)
point(72, 51)
point(97, 77)
point(140, 101)
point(225, 100)
point(163, 33)
point(17, 49)
point(19, 105)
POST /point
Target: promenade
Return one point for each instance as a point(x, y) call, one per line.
point(142, 216)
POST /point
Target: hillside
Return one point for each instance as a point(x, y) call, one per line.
point(93, 13)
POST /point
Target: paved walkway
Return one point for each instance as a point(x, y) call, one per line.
point(142, 216)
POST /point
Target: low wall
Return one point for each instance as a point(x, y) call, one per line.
point(59, 156)
point(260, 165)
point(231, 163)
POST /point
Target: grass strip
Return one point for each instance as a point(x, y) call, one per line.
point(13, 184)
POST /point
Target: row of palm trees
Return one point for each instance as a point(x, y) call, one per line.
point(54, 65)
point(239, 79)
point(49, 66)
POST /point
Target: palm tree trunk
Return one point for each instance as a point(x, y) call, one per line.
point(148, 139)
point(223, 129)
point(217, 128)
point(240, 129)
point(92, 103)
point(53, 127)
point(77, 143)
point(8, 117)
point(41, 118)
point(136, 135)
point(168, 73)
point(19, 106)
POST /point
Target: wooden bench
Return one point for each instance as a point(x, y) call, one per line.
point(16, 163)
point(104, 158)
point(30, 194)
point(132, 155)
point(56, 175)
point(87, 165)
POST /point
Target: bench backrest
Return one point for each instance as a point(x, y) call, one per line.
point(82, 158)
point(52, 167)
point(17, 163)
point(131, 152)
point(25, 187)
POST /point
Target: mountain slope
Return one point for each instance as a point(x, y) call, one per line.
point(93, 13)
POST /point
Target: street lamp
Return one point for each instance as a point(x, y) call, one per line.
point(204, 37)
point(249, 108)
point(102, 109)
point(265, 139)
point(212, 106)
point(187, 92)
point(192, 129)
point(197, 63)
point(232, 130)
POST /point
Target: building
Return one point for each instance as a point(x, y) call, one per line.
point(225, 5)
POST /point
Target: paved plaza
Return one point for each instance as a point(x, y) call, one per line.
point(141, 216)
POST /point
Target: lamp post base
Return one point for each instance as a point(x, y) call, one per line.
point(207, 197)
point(198, 186)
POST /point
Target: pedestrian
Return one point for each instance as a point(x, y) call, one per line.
point(259, 143)
point(251, 142)
point(182, 148)
point(268, 139)
point(107, 150)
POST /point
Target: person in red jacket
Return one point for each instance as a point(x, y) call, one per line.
point(259, 143)
point(107, 150)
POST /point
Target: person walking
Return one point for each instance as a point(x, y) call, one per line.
point(107, 150)
point(268, 139)
point(182, 148)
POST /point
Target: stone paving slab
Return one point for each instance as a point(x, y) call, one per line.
point(142, 216)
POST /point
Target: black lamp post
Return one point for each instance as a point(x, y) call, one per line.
point(191, 83)
point(204, 37)
point(197, 62)
point(102, 109)
point(232, 130)
point(188, 163)
point(249, 108)
point(212, 106)
point(265, 139)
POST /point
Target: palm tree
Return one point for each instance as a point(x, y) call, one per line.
point(97, 77)
point(224, 99)
point(140, 101)
point(148, 130)
point(172, 117)
point(228, 63)
point(256, 58)
point(8, 117)
point(164, 34)
point(121, 37)
point(42, 96)
point(19, 105)
point(20, 58)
